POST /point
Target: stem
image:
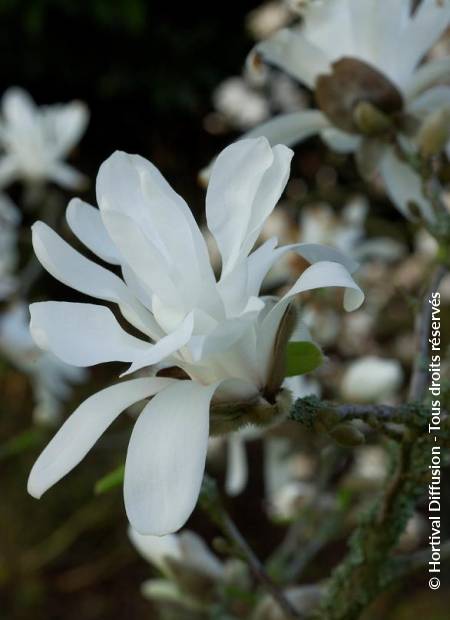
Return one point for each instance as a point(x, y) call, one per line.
point(210, 501)
point(369, 568)
point(325, 416)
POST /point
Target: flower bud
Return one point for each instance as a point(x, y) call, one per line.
point(347, 434)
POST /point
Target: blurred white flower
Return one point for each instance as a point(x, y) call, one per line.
point(220, 333)
point(191, 571)
point(34, 141)
point(376, 45)
point(9, 223)
point(51, 379)
point(372, 379)
point(240, 104)
point(186, 548)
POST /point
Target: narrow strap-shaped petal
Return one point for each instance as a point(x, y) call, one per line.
point(325, 274)
point(83, 334)
point(86, 223)
point(262, 260)
point(84, 427)
point(290, 129)
point(166, 458)
point(291, 52)
point(431, 100)
point(287, 129)
point(75, 270)
point(235, 179)
point(429, 21)
point(66, 124)
point(9, 170)
point(322, 274)
point(19, 109)
point(156, 549)
point(167, 345)
point(429, 74)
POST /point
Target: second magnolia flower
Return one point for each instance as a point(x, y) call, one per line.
point(222, 334)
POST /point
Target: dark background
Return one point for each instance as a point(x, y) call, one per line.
point(145, 69)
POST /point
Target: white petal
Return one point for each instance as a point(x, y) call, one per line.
point(67, 123)
point(19, 108)
point(292, 53)
point(143, 257)
point(237, 468)
point(9, 170)
point(86, 223)
point(75, 270)
point(155, 549)
point(83, 334)
point(166, 458)
point(340, 141)
point(131, 186)
point(84, 427)
point(326, 274)
point(290, 129)
point(236, 176)
point(429, 74)
point(404, 186)
point(166, 346)
point(268, 194)
point(287, 129)
point(198, 556)
point(223, 337)
point(429, 21)
point(322, 274)
point(246, 182)
point(431, 100)
point(262, 260)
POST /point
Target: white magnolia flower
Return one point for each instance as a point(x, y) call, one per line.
point(220, 333)
point(372, 379)
point(9, 228)
point(51, 379)
point(34, 141)
point(193, 577)
point(388, 43)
